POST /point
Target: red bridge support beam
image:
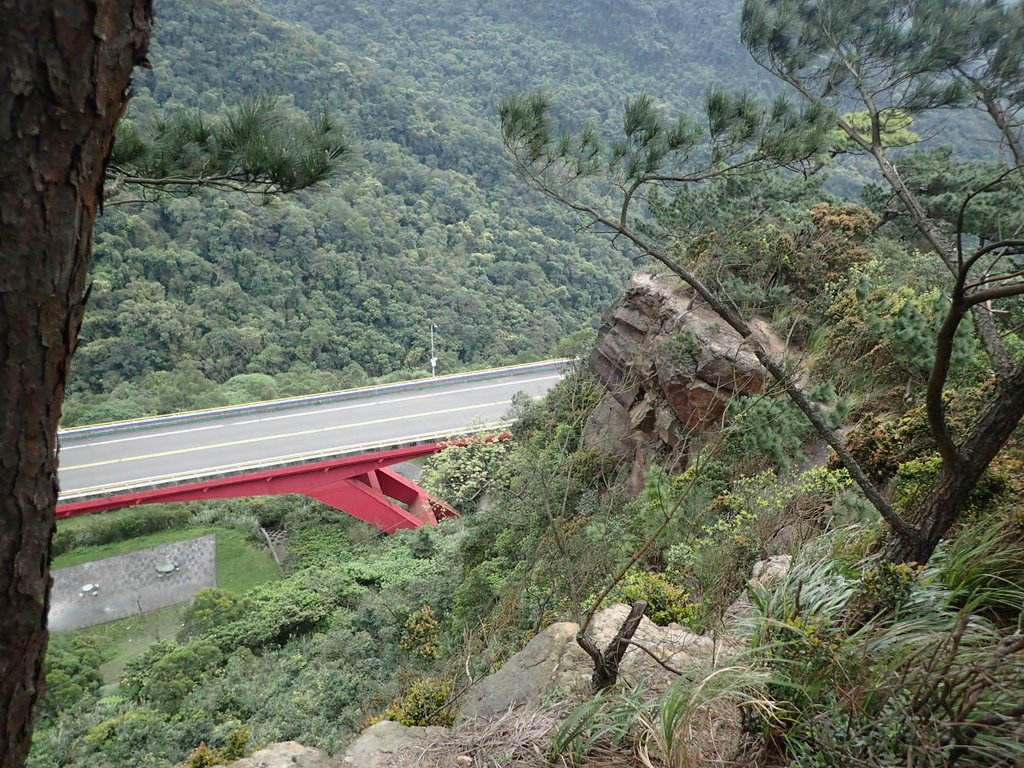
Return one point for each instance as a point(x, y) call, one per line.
point(360, 486)
point(362, 496)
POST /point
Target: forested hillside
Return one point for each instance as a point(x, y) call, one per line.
point(820, 391)
point(218, 298)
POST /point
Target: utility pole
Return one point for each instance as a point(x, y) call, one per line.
point(433, 358)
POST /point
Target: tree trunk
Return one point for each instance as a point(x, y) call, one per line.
point(606, 664)
point(948, 495)
point(63, 86)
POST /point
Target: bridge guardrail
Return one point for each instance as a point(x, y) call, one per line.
point(293, 402)
point(170, 481)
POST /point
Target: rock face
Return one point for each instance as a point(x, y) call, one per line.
point(287, 754)
point(670, 366)
point(552, 665)
point(389, 744)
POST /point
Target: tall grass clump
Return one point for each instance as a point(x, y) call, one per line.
point(934, 678)
point(694, 722)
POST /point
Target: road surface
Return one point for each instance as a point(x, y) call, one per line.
point(146, 456)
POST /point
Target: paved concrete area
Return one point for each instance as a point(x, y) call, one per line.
point(408, 470)
point(127, 585)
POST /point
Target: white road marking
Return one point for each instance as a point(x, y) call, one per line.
point(301, 412)
point(66, 448)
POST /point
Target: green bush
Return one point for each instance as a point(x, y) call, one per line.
point(666, 603)
point(137, 737)
point(72, 673)
point(277, 611)
point(120, 526)
point(319, 544)
point(178, 673)
point(428, 702)
point(211, 608)
point(137, 670)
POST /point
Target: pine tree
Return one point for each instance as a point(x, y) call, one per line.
point(897, 60)
point(255, 148)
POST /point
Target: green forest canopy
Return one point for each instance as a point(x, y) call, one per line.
point(201, 300)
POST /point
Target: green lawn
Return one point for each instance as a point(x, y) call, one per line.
point(239, 567)
point(127, 638)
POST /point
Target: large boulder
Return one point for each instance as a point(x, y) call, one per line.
point(388, 745)
point(553, 666)
point(286, 754)
point(528, 677)
point(670, 365)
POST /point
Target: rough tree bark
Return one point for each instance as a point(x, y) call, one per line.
point(64, 80)
point(946, 498)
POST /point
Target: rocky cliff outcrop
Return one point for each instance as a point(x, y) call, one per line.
point(670, 366)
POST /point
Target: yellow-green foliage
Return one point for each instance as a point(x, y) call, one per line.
point(462, 472)
point(428, 702)
point(880, 445)
point(808, 639)
point(205, 756)
point(888, 584)
point(666, 603)
point(914, 477)
point(762, 497)
point(422, 634)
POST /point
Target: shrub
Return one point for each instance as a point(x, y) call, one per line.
point(422, 634)
point(428, 702)
point(237, 747)
point(775, 428)
point(120, 526)
point(914, 477)
point(280, 610)
point(179, 673)
point(713, 560)
point(666, 603)
point(137, 670)
point(72, 673)
point(461, 473)
point(211, 608)
point(936, 680)
point(122, 739)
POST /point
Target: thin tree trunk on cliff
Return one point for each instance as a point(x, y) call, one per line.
point(63, 87)
point(606, 663)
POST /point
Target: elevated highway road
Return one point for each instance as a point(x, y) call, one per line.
point(132, 455)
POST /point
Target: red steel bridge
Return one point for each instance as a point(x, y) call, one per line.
point(338, 448)
point(361, 486)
